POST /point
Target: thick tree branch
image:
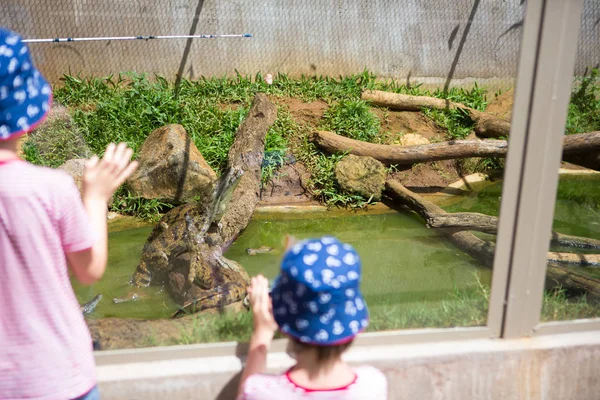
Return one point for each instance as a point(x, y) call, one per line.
point(407, 155)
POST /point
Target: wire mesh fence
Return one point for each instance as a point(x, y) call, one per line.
point(400, 39)
point(417, 38)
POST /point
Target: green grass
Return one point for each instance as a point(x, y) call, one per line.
point(559, 306)
point(353, 119)
point(584, 109)
point(467, 307)
point(217, 328)
point(149, 210)
point(128, 107)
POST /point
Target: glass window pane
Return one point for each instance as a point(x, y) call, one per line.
point(573, 277)
point(459, 56)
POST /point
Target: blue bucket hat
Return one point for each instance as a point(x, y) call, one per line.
point(316, 297)
point(25, 95)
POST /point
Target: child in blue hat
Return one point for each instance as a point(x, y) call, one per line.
point(316, 301)
point(45, 346)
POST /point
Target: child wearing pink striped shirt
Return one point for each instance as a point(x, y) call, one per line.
point(45, 346)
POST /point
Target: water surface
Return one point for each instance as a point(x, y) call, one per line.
point(403, 262)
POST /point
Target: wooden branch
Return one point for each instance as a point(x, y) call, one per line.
point(464, 221)
point(407, 155)
point(486, 125)
point(489, 224)
point(479, 249)
point(574, 280)
point(484, 251)
point(581, 260)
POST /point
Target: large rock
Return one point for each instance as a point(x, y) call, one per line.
point(361, 175)
point(75, 168)
point(171, 168)
point(412, 139)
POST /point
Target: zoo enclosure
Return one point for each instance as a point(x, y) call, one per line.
point(546, 65)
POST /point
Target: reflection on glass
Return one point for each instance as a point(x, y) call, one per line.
point(573, 276)
point(416, 273)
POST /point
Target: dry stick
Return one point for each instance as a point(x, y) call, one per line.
point(486, 124)
point(484, 251)
point(489, 224)
point(407, 155)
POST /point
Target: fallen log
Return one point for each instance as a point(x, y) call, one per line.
point(574, 280)
point(221, 281)
point(247, 153)
point(483, 251)
point(407, 155)
point(464, 221)
point(489, 224)
point(486, 125)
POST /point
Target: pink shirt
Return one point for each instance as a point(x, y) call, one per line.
point(370, 384)
point(45, 346)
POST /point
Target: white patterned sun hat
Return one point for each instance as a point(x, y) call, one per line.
point(25, 96)
point(316, 298)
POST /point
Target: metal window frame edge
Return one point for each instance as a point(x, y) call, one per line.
point(512, 179)
point(530, 193)
point(571, 326)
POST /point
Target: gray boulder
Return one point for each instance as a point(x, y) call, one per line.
point(75, 168)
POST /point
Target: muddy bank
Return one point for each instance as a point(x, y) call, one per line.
point(124, 333)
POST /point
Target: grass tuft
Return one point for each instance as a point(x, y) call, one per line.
point(353, 119)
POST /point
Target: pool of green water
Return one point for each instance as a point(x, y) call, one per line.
point(577, 209)
point(405, 265)
point(403, 262)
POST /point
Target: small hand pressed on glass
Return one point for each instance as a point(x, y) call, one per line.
point(262, 307)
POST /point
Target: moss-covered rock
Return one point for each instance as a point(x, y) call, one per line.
point(361, 175)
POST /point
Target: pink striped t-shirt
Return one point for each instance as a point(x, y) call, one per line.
point(45, 346)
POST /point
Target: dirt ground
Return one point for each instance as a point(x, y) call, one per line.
point(394, 124)
point(501, 106)
point(123, 333)
point(303, 113)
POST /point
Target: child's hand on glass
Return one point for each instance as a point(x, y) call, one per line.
point(262, 308)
